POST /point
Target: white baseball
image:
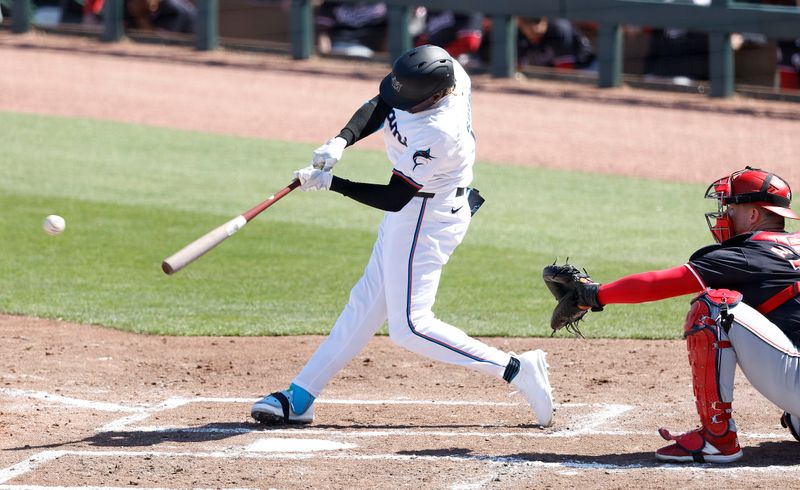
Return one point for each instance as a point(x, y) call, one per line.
point(54, 224)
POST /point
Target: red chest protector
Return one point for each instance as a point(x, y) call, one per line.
point(791, 241)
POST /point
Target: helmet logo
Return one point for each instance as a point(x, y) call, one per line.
point(396, 85)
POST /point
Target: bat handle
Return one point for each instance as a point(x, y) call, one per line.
point(255, 211)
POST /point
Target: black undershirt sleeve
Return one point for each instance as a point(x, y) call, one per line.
point(389, 197)
point(366, 120)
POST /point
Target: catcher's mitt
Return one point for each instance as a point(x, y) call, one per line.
point(576, 294)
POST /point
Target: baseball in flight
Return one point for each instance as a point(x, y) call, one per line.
point(54, 224)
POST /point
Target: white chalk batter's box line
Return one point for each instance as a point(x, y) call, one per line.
point(590, 424)
point(40, 459)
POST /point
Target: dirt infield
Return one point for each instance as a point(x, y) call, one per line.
point(89, 406)
point(84, 406)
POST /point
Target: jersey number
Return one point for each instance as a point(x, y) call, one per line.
point(790, 246)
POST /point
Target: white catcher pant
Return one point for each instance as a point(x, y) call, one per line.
point(767, 357)
point(400, 284)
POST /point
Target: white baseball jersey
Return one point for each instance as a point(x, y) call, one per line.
point(434, 150)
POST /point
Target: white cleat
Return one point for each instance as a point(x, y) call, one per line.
point(533, 384)
point(276, 408)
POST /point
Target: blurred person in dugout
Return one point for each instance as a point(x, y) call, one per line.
point(459, 34)
point(789, 64)
point(357, 29)
point(555, 43)
point(788, 54)
point(677, 54)
point(682, 56)
point(92, 11)
point(164, 15)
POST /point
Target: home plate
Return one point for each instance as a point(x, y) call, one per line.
point(276, 445)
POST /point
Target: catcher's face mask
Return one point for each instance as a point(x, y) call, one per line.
point(747, 186)
point(719, 223)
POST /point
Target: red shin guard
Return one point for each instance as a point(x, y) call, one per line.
point(704, 328)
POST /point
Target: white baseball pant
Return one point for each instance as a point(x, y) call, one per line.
point(768, 359)
point(400, 284)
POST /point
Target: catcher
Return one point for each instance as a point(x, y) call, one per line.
point(747, 310)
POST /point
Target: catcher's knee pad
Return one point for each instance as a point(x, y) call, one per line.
point(705, 334)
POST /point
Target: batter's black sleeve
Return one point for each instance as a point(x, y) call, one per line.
point(367, 119)
point(389, 197)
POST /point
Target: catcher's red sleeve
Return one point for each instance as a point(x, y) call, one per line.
point(651, 286)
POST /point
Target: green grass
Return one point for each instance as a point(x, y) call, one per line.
point(133, 195)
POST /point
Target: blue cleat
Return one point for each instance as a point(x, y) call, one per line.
point(292, 406)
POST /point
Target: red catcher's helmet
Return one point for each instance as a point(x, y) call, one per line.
point(747, 186)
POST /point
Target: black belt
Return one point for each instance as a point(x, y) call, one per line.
point(459, 192)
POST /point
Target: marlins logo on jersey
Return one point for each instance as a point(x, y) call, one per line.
point(421, 154)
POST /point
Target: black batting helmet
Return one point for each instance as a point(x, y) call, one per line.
point(416, 76)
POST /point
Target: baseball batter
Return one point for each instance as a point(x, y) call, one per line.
point(424, 108)
point(747, 312)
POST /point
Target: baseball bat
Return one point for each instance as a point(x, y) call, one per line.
point(197, 248)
